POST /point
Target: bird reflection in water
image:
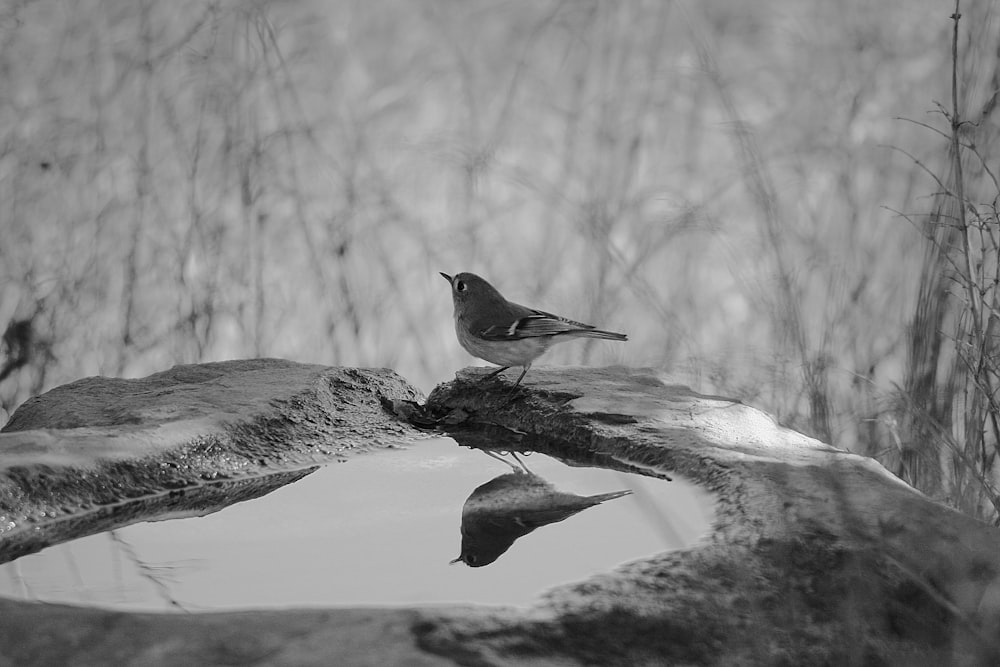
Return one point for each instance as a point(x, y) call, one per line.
point(511, 506)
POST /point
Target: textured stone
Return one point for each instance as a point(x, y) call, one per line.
point(101, 452)
point(817, 556)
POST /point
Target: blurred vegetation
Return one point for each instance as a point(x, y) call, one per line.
point(763, 195)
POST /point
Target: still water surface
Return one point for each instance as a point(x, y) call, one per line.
point(379, 529)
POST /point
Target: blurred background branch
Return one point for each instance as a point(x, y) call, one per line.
point(210, 179)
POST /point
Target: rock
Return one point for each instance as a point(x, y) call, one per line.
point(817, 556)
point(192, 439)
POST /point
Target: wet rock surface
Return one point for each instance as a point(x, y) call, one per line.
point(817, 556)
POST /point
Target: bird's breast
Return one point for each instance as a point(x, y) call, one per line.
point(502, 352)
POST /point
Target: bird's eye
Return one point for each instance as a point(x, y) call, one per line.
point(460, 286)
point(471, 559)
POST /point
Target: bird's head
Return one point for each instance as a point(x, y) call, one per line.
point(467, 288)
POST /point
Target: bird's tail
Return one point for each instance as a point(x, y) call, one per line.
point(600, 333)
point(601, 497)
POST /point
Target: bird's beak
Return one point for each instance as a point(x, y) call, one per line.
point(452, 562)
point(445, 276)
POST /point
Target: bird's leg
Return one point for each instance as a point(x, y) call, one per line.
point(520, 462)
point(521, 376)
point(513, 388)
point(496, 373)
point(500, 458)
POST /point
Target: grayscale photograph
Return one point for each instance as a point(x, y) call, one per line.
point(499, 333)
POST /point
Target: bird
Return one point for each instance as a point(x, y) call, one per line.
point(508, 334)
point(509, 507)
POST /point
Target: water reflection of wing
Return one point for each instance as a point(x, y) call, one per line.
point(511, 506)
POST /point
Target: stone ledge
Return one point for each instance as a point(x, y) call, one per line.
point(181, 440)
point(817, 555)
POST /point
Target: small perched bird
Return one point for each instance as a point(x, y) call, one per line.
point(508, 334)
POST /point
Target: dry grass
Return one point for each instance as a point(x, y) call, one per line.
point(217, 179)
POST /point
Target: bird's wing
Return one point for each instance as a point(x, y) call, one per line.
point(537, 323)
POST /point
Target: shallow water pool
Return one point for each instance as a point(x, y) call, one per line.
point(379, 529)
